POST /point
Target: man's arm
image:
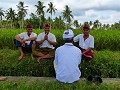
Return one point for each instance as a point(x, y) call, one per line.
point(32, 38)
point(51, 42)
point(19, 39)
point(85, 51)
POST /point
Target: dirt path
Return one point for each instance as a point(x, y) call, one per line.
point(48, 79)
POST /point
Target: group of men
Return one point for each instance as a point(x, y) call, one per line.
point(66, 58)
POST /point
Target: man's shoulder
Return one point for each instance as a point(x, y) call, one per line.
point(59, 47)
point(80, 35)
point(51, 34)
point(23, 33)
point(41, 33)
point(91, 36)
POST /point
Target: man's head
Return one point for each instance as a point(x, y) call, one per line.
point(86, 29)
point(29, 28)
point(47, 28)
point(68, 35)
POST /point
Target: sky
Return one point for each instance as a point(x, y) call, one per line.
point(106, 11)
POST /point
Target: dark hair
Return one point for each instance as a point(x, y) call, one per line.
point(29, 25)
point(47, 25)
point(86, 26)
point(68, 40)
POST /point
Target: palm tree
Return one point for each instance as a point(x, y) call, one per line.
point(51, 9)
point(33, 16)
point(76, 24)
point(67, 15)
point(10, 15)
point(21, 12)
point(40, 11)
point(1, 14)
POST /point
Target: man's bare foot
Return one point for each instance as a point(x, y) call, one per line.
point(21, 56)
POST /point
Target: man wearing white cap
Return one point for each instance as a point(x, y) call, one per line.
point(67, 60)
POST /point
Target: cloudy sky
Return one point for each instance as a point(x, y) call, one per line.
point(106, 11)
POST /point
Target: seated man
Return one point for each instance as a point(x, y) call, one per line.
point(67, 60)
point(46, 42)
point(86, 43)
point(24, 41)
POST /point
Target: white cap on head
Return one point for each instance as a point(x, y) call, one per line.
point(68, 34)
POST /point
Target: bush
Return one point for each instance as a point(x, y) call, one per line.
point(105, 64)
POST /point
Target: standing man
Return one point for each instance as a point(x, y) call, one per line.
point(46, 42)
point(24, 41)
point(86, 43)
point(67, 60)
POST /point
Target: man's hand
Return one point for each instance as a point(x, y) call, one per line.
point(46, 37)
point(23, 42)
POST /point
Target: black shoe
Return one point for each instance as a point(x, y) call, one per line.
point(98, 79)
point(90, 78)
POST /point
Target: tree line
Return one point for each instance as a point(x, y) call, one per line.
point(17, 20)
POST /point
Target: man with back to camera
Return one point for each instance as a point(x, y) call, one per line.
point(67, 60)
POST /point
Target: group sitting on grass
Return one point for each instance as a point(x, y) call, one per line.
point(66, 58)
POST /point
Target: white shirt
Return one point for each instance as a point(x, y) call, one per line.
point(67, 59)
point(51, 37)
point(25, 36)
point(88, 43)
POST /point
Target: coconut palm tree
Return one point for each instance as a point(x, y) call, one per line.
point(51, 10)
point(76, 24)
point(10, 15)
point(40, 11)
point(67, 16)
point(1, 14)
point(22, 11)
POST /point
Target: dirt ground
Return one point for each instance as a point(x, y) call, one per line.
point(48, 79)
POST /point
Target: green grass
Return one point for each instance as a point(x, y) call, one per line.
point(105, 64)
point(104, 39)
point(53, 85)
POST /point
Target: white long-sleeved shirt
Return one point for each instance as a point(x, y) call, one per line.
point(67, 59)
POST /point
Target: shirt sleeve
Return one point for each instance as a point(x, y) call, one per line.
point(76, 39)
point(92, 42)
point(39, 37)
point(53, 38)
point(34, 35)
point(22, 35)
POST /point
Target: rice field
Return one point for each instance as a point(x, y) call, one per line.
point(104, 39)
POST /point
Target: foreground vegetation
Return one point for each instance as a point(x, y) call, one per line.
point(105, 64)
point(53, 85)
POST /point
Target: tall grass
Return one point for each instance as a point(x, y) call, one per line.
point(103, 39)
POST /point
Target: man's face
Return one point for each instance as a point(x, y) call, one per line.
point(29, 30)
point(86, 31)
point(47, 30)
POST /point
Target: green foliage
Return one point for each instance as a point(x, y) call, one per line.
point(53, 85)
point(104, 39)
point(105, 64)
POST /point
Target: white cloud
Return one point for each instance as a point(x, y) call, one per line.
point(106, 11)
